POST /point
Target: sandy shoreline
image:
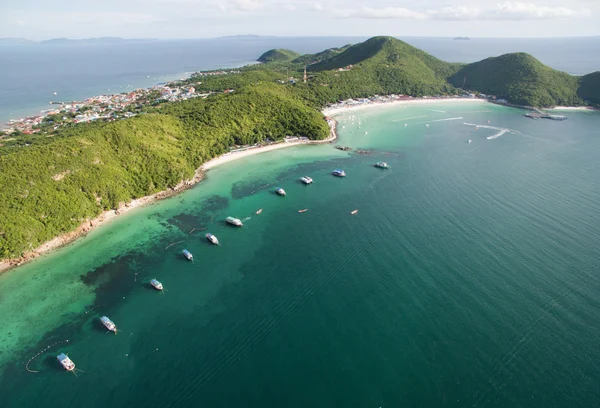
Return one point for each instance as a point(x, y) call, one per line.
point(573, 108)
point(107, 216)
point(336, 110)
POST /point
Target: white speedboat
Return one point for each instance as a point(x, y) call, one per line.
point(66, 362)
point(339, 173)
point(156, 284)
point(234, 221)
point(109, 324)
point(382, 165)
point(212, 238)
point(280, 191)
point(188, 255)
point(306, 180)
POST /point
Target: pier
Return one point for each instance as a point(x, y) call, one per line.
point(542, 115)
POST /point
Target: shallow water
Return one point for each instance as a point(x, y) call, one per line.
point(467, 277)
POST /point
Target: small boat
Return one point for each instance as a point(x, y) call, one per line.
point(212, 238)
point(301, 211)
point(188, 255)
point(280, 191)
point(156, 284)
point(470, 140)
point(339, 173)
point(66, 362)
point(110, 326)
point(382, 165)
point(306, 180)
point(354, 212)
point(259, 211)
point(234, 221)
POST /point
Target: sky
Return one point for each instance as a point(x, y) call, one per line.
point(43, 19)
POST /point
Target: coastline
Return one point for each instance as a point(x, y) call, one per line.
point(107, 216)
point(336, 110)
point(572, 108)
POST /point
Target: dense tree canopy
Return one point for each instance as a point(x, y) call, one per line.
point(52, 185)
point(521, 79)
point(589, 90)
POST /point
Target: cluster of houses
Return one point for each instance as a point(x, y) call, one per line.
point(210, 73)
point(101, 107)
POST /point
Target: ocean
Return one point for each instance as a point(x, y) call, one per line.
point(468, 277)
point(31, 73)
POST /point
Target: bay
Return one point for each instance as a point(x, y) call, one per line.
point(467, 277)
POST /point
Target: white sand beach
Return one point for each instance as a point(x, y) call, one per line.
point(337, 110)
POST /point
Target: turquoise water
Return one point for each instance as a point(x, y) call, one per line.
point(468, 277)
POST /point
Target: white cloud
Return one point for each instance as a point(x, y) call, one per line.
point(526, 11)
point(507, 11)
point(455, 13)
point(379, 13)
point(240, 5)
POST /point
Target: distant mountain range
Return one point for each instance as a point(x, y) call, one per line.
point(114, 40)
point(98, 40)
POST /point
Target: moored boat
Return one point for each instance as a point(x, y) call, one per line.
point(156, 284)
point(339, 173)
point(188, 255)
point(382, 165)
point(234, 221)
point(280, 191)
point(301, 211)
point(259, 211)
point(306, 180)
point(212, 238)
point(66, 362)
point(354, 212)
point(109, 324)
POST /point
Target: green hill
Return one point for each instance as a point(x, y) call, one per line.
point(386, 52)
point(589, 88)
point(519, 78)
point(278, 55)
point(380, 65)
point(308, 59)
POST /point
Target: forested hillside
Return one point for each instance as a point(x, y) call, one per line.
point(589, 88)
point(51, 186)
point(278, 55)
point(521, 79)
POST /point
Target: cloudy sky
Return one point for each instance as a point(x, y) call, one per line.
point(42, 19)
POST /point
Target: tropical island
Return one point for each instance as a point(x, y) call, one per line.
point(62, 173)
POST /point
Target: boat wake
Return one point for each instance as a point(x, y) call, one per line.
point(447, 119)
point(500, 130)
point(413, 117)
point(440, 111)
